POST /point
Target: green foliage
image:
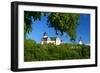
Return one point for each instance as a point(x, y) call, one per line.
point(63, 22)
point(38, 52)
point(28, 20)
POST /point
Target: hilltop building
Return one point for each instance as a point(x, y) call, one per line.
point(54, 40)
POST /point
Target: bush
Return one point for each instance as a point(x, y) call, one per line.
point(38, 52)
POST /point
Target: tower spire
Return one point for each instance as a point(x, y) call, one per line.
point(80, 41)
point(45, 35)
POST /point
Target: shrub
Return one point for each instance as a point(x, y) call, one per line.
point(38, 52)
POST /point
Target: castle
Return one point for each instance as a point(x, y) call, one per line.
point(54, 40)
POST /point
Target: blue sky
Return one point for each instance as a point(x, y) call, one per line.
point(83, 30)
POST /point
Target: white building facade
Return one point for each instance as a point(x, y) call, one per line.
point(53, 40)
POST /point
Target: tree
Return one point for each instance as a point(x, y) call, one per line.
point(64, 22)
point(28, 15)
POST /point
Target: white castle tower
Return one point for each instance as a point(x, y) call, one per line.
point(80, 41)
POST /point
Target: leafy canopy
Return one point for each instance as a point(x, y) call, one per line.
point(63, 22)
point(28, 20)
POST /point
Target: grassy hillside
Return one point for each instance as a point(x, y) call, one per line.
point(38, 52)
